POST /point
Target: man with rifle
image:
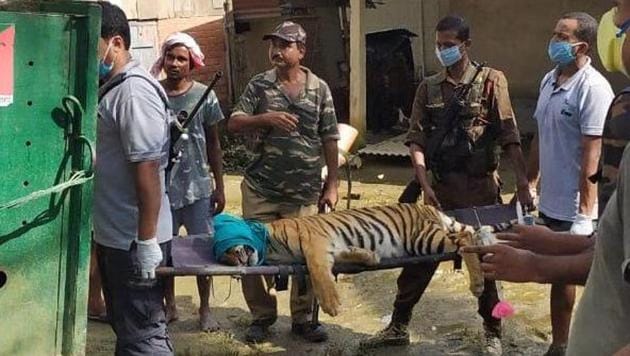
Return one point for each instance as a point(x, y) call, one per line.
point(194, 195)
point(462, 118)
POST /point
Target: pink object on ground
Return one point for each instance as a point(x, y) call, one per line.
point(502, 310)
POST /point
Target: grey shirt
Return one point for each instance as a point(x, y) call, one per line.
point(190, 179)
point(132, 127)
point(602, 319)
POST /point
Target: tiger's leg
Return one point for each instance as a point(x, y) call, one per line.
point(320, 262)
point(473, 264)
point(358, 255)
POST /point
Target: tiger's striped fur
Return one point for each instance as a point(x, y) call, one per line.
point(366, 235)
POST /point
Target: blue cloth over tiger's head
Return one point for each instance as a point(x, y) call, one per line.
point(239, 242)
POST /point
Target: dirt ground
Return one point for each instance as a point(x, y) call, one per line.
point(444, 322)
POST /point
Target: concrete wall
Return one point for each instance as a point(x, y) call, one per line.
point(516, 41)
point(509, 35)
point(251, 52)
point(163, 9)
point(324, 47)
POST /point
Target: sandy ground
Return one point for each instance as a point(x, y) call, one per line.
point(444, 323)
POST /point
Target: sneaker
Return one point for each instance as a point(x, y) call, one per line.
point(310, 332)
point(556, 350)
point(492, 345)
point(393, 335)
point(256, 333)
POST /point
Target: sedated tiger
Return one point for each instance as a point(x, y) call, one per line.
point(363, 236)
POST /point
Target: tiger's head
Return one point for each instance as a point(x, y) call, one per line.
point(240, 255)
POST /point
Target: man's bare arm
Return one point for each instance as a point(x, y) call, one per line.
point(591, 151)
point(506, 263)
point(544, 241)
point(533, 164)
point(149, 194)
point(418, 160)
point(331, 156)
point(514, 152)
point(215, 160)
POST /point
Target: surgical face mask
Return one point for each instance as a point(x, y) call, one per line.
point(561, 52)
point(448, 56)
point(103, 68)
point(610, 41)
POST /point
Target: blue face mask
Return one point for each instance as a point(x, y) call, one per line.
point(561, 53)
point(103, 68)
point(449, 56)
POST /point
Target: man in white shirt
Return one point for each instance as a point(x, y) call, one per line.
point(571, 110)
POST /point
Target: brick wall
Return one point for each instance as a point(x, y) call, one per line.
point(209, 33)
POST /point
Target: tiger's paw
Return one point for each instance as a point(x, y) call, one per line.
point(330, 303)
point(326, 292)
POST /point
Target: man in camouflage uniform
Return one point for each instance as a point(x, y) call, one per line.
point(290, 112)
point(461, 178)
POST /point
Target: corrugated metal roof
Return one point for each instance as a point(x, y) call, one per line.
point(393, 147)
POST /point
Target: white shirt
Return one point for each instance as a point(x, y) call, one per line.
point(565, 114)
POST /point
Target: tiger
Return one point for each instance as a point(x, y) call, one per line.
point(364, 236)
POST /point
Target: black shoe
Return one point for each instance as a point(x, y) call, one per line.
point(394, 334)
point(310, 332)
point(257, 333)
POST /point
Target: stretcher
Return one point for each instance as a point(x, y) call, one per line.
point(192, 255)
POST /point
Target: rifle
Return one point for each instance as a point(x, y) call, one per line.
point(179, 127)
point(449, 120)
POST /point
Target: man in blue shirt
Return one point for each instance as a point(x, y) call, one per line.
point(571, 110)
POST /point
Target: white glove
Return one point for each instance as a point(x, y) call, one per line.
point(583, 225)
point(149, 256)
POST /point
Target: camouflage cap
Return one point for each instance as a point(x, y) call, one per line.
point(288, 31)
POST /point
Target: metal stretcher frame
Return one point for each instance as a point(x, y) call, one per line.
point(192, 255)
point(216, 269)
